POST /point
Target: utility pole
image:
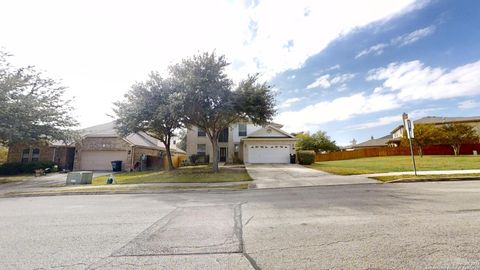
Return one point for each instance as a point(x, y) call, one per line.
point(408, 126)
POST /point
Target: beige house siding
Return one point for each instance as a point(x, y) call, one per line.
point(193, 140)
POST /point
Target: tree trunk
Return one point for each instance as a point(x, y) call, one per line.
point(214, 156)
point(169, 157)
point(420, 151)
point(214, 140)
point(169, 154)
point(456, 149)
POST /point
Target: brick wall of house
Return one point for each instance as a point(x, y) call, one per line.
point(15, 152)
point(57, 154)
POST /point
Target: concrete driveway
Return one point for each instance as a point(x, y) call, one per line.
point(294, 175)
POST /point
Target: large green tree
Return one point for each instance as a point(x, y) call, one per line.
point(154, 107)
point(32, 106)
point(318, 142)
point(182, 139)
point(213, 103)
point(425, 134)
point(457, 134)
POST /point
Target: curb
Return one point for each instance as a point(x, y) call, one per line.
point(113, 192)
point(443, 179)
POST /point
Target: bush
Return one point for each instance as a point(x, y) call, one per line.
point(18, 168)
point(199, 159)
point(306, 157)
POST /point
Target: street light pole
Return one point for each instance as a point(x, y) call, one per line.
point(407, 124)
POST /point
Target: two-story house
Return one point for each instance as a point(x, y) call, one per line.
point(245, 142)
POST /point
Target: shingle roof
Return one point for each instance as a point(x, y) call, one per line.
point(383, 141)
point(138, 139)
point(439, 119)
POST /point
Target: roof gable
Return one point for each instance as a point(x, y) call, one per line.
point(269, 131)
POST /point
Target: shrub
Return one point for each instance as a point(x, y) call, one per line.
point(306, 157)
point(199, 159)
point(18, 168)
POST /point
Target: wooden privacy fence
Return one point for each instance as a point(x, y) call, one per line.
point(176, 160)
point(161, 163)
point(466, 149)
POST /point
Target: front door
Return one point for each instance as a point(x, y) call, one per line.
point(223, 154)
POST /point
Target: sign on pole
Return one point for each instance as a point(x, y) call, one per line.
point(408, 126)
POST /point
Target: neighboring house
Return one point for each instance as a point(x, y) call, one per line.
point(245, 142)
point(384, 141)
point(473, 121)
point(99, 145)
point(396, 135)
point(58, 152)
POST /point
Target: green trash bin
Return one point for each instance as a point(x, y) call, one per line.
point(117, 165)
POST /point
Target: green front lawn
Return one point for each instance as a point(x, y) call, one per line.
point(397, 164)
point(191, 174)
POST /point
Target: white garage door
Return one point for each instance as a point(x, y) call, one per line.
point(269, 153)
point(100, 160)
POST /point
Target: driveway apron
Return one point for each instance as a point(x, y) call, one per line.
point(294, 175)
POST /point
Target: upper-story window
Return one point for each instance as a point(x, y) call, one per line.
point(223, 137)
point(242, 130)
point(201, 132)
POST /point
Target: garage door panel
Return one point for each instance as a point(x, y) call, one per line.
point(264, 153)
point(101, 160)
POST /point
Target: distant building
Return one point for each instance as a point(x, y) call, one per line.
point(396, 135)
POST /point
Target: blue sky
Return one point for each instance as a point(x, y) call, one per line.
point(350, 68)
point(423, 62)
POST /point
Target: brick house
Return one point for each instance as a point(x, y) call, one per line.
point(99, 145)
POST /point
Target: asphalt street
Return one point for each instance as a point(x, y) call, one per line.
point(363, 226)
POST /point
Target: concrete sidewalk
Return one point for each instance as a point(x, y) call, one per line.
point(294, 175)
point(422, 173)
point(120, 188)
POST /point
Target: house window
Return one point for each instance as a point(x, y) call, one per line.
point(35, 154)
point(223, 137)
point(242, 130)
point(25, 155)
point(201, 132)
point(201, 149)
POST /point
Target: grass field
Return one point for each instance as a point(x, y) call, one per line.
point(397, 164)
point(197, 174)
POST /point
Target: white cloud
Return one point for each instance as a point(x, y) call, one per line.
point(100, 48)
point(338, 109)
point(399, 41)
point(413, 36)
point(415, 81)
point(291, 77)
point(375, 49)
point(402, 83)
point(289, 102)
point(325, 82)
point(322, 82)
point(387, 120)
point(382, 121)
point(468, 104)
